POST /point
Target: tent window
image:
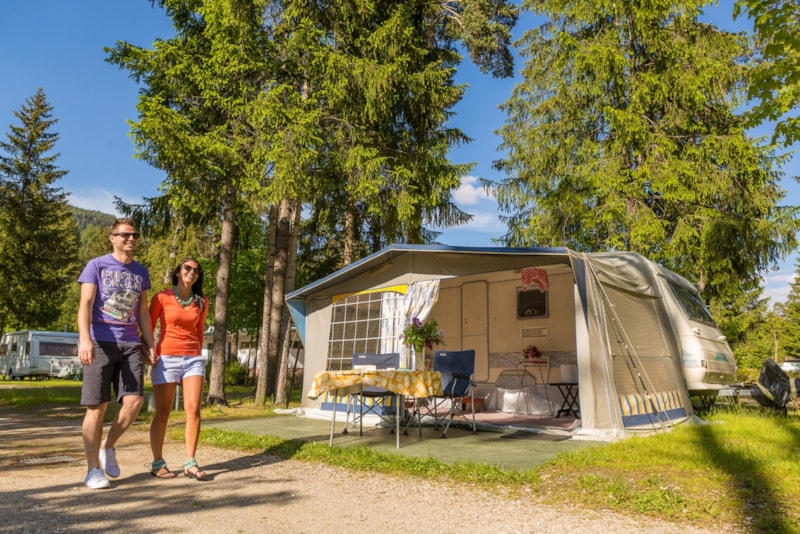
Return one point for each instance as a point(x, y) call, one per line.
point(531, 303)
point(356, 323)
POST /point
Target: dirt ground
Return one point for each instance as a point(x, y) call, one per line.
point(41, 490)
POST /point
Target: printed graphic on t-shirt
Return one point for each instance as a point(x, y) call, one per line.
point(119, 292)
point(120, 305)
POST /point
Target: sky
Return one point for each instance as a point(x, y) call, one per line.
point(57, 45)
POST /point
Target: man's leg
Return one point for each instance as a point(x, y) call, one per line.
point(129, 384)
point(92, 432)
point(131, 404)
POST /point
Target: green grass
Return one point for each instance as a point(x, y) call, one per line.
point(741, 468)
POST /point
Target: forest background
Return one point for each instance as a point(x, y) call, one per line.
point(628, 127)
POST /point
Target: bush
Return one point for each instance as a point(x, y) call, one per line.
point(235, 373)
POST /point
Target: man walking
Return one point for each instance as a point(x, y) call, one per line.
point(113, 310)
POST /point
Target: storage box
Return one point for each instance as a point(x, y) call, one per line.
point(569, 373)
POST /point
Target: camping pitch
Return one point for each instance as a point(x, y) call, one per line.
point(635, 337)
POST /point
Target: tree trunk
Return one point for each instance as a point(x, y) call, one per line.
point(263, 343)
point(283, 238)
point(291, 271)
point(349, 233)
point(216, 386)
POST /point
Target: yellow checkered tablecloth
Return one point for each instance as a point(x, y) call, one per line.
point(401, 381)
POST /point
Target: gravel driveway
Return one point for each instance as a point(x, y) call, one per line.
point(250, 493)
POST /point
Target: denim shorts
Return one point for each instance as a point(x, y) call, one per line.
point(173, 369)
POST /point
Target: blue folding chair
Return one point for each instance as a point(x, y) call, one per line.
point(379, 397)
point(457, 368)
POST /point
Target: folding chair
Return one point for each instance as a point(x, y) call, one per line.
point(378, 396)
point(457, 368)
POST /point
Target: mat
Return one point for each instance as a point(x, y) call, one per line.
point(539, 436)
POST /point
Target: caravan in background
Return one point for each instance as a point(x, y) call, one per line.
point(39, 354)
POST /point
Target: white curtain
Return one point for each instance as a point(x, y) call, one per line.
point(418, 302)
point(391, 319)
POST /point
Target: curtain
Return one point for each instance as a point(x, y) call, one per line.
point(418, 302)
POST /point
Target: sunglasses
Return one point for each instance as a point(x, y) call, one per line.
point(128, 235)
point(189, 269)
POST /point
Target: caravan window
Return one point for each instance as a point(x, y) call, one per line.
point(356, 326)
point(49, 348)
point(531, 303)
point(691, 303)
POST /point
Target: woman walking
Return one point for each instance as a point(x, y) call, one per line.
point(181, 312)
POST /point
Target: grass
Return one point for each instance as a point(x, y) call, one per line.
point(739, 469)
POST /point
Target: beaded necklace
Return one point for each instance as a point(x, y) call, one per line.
point(182, 302)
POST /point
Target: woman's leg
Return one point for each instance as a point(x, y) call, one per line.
point(192, 393)
point(163, 393)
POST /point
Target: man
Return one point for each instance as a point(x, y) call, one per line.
point(113, 309)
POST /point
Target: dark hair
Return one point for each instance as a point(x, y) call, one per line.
point(197, 287)
point(119, 222)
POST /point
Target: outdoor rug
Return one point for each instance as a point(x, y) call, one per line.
point(539, 436)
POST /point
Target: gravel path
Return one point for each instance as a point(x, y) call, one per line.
point(251, 493)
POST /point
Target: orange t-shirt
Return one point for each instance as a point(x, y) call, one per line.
point(181, 328)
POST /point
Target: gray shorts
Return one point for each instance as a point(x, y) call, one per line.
point(119, 364)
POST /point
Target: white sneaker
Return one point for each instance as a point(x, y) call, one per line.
point(108, 461)
point(95, 479)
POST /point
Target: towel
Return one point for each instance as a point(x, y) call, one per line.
point(533, 276)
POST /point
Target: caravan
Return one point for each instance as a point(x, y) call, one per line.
point(39, 354)
point(629, 340)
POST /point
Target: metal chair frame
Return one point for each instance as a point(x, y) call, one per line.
point(458, 370)
point(389, 360)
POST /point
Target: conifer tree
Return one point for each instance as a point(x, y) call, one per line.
point(38, 234)
point(790, 326)
point(624, 135)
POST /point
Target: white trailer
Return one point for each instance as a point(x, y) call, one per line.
point(39, 354)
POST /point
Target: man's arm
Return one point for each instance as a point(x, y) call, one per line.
point(145, 327)
point(85, 343)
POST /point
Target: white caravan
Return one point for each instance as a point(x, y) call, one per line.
point(39, 354)
point(707, 360)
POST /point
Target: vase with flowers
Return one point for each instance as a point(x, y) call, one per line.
point(531, 352)
point(419, 336)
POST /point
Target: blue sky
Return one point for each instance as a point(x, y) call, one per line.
point(58, 45)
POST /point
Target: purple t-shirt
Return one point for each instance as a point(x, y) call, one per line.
point(115, 312)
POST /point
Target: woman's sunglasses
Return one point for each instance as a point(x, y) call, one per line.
point(189, 269)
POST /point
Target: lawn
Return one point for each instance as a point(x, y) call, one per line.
point(739, 468)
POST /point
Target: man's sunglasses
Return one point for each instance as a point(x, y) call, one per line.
point(128, 235)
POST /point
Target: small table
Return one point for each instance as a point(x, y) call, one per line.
point(570, 405)
point(401, 382)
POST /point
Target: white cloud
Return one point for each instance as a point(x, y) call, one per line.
point(777, 284)
point(470, 192)
point(95, 199)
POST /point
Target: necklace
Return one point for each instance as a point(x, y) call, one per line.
point(182, 302)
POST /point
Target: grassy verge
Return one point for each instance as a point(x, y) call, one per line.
point(738, 469)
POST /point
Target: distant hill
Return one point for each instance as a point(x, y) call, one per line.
point(87, 218)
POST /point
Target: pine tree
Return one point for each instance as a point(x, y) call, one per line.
point(789, 334)
point(38, 234)
point(624, 135)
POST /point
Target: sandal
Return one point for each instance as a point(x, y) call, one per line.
point(192, 470)
point(159, 469)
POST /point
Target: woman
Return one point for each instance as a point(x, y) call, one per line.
point(182, 312)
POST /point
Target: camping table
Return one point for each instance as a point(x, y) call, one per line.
point(401, 382)
point(569, 390)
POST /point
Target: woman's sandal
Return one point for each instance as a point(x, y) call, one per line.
point(192, 470)
point(159, 469)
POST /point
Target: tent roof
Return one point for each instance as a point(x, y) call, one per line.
point(469, 260)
